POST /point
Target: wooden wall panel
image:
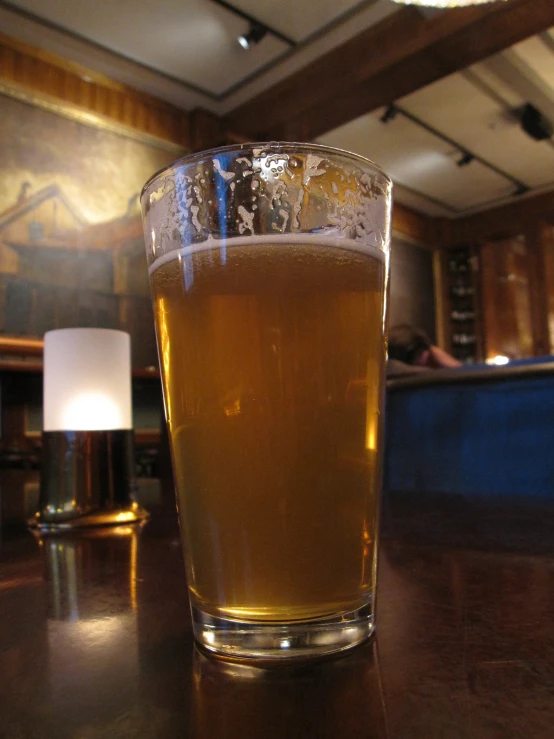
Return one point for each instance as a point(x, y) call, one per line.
point(534, 218)
point(442, 302)
point(414, 226)
point(536, 239)
point(502, 222)
point(548, 264)
point(506, 299)
point(31, 69)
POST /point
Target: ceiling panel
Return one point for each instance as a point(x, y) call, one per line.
point(418, 160)
point(495, 88)
point(540, 57)
point(298, 19)
point(469, 116)
point(195, 41)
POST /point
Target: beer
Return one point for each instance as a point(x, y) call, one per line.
point(272, 355)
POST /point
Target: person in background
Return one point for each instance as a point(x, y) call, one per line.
point(411, 351)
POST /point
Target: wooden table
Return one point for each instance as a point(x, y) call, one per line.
point(95, 641)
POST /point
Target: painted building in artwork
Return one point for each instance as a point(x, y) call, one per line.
point(58, 271)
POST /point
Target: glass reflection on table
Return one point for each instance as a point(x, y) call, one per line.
point(341, 697)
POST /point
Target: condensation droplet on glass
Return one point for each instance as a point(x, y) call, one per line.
point(255, 184)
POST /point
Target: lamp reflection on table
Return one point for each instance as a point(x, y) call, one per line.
point(341, 697)
point(92, 640)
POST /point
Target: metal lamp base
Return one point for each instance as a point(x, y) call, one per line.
point(87, 479)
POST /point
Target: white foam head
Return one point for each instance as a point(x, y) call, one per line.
point(288, 240)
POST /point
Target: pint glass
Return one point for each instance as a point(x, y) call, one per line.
point(268, 267)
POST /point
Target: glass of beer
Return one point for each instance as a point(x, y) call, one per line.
point(268, 266)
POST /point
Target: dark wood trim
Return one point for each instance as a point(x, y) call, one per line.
point(478, 303)
point(143, 437)
point(9, 365)
point(415, 226)
point(206, 130)
point(502, 222)
point(537, 238)
point(442, 301)
point(393, 58)
point(35, 367)
point(21, 346)
point(147, 437)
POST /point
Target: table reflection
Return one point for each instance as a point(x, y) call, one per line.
point(92, 634)
point(77, 564)
point(339, 698)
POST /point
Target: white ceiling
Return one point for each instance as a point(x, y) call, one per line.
point(191, 44)
point(298, 19)
point(421, 162)
point(193, 41)
point(186, 52)
point(475, 109)
point(537, 52)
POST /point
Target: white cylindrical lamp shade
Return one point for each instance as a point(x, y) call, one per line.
point(87, 380)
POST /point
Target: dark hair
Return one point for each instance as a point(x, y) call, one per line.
point(407, 343)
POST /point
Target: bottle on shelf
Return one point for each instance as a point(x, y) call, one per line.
point(462, 315)
point(462, 291)
point(463, 339)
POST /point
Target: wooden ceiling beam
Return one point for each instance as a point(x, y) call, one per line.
point(397, 56)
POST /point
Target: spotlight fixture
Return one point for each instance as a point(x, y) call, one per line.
point(255, 34)
point(390, 113)
point(535, 124)
point(465, 159)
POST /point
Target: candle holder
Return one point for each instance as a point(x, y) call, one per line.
point(88, 468)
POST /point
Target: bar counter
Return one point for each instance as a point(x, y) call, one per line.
point(96, 642)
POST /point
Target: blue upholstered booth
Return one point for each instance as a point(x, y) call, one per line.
point(476, 432)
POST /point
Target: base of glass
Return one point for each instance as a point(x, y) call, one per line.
point(278, 642)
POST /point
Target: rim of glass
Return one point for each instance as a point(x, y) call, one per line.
point(273, 145)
